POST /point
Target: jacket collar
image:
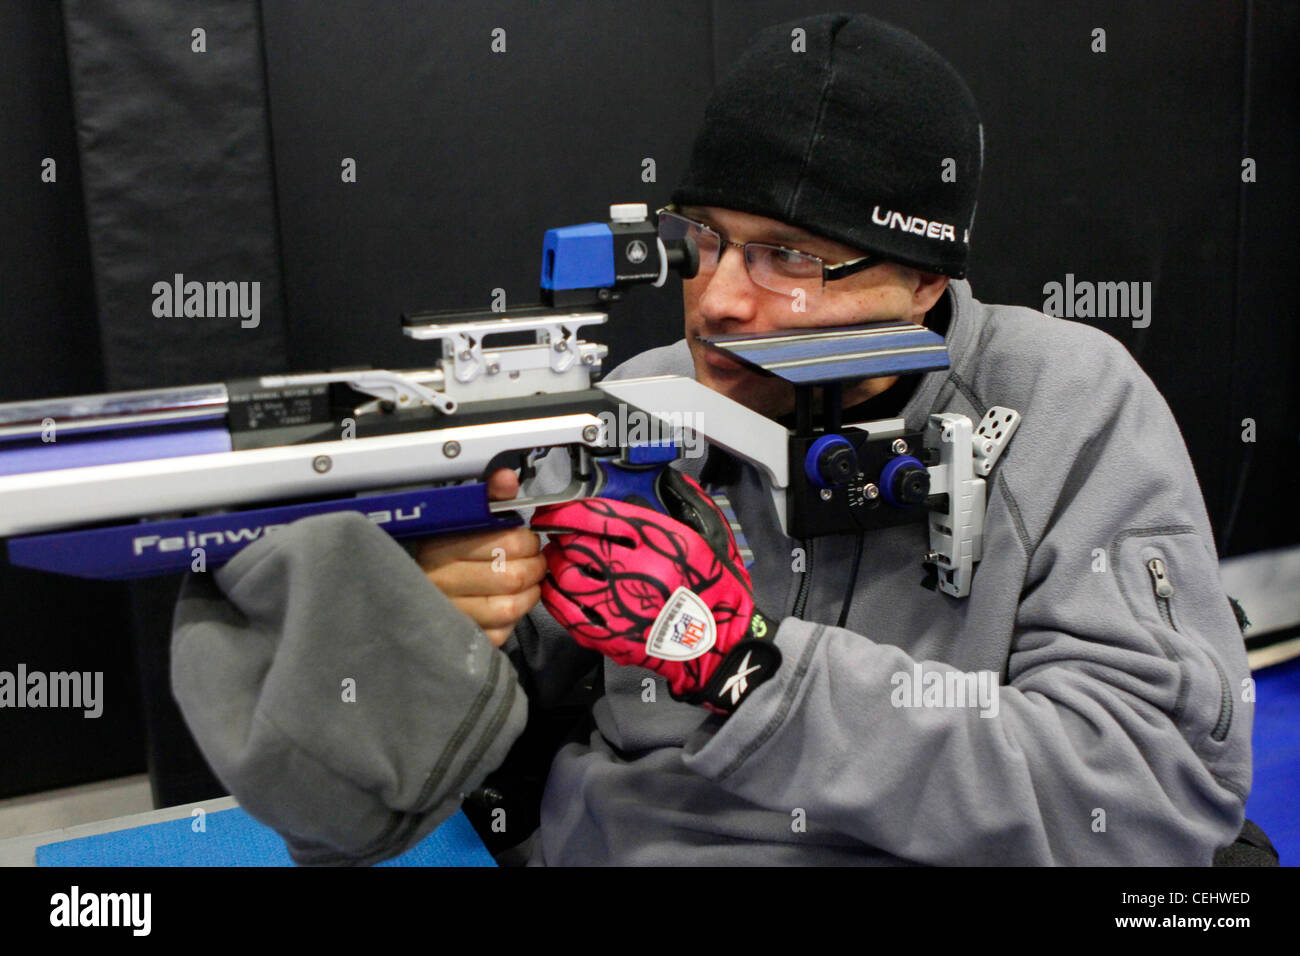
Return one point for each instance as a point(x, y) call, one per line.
point(963, 333)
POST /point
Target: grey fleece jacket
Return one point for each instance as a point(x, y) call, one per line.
point(337, 693)
point(1119, 735)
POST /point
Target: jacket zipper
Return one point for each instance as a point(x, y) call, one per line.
point(1164, 590)
point(801, 599)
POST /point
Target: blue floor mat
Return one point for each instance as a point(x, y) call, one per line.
point(233, 838)
point(1275, 794)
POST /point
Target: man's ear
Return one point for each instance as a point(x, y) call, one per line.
point(929, 286)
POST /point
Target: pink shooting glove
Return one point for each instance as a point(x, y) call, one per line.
point(646, 589)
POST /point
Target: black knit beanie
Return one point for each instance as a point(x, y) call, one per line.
point(856, 131)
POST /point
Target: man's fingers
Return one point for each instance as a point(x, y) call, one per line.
point(481, 579)
point(499, 610)
point(506, 545)
point(503, 484)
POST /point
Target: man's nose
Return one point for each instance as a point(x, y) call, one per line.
point(730, 293)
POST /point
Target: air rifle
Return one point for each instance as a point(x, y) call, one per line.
point(135, 484)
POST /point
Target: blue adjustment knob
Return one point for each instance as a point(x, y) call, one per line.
point(904, 482)
point(830, 461)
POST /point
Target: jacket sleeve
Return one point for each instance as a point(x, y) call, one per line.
point(1120, 733)
point(337, 693)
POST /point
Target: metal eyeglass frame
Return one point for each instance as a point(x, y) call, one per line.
point(839, 270)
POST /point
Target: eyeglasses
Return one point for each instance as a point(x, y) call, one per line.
point(772, 267)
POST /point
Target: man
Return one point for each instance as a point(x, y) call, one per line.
point(1102, 660)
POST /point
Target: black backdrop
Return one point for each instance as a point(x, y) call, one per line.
point(1115, 166)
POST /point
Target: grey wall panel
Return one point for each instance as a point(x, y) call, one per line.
point(175, 156)
point(1266, 350)
point(49, 345)
point(48, 335)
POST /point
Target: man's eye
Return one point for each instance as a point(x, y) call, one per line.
point(793, 263)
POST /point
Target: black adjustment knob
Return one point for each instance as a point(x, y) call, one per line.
point(838, 464)
point(905, 482)
point(912, 485)
point(831, 461)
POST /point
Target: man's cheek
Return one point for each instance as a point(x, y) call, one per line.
point(690, 296)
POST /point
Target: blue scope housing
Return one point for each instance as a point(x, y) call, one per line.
point(578, 257)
